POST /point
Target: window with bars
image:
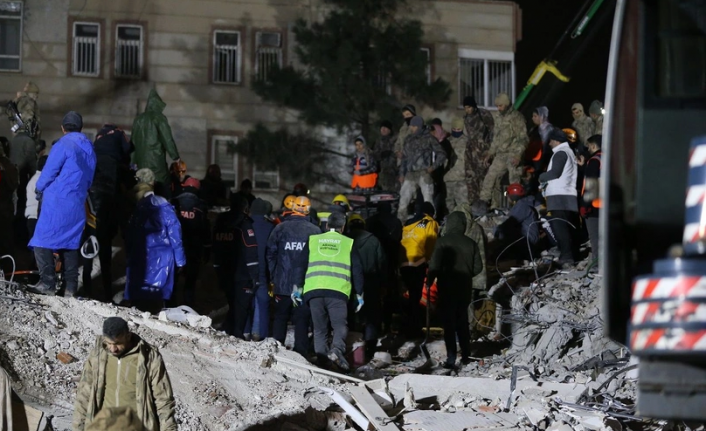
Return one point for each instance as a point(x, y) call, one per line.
point(10, 35)
point(86, 49)
point(484, 75)
point(129, 51)
point(226, 57)
point(268, 53)
point(222, 154)
point(265, 179)
point(427, 70)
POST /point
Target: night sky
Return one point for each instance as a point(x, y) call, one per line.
point(543, 23)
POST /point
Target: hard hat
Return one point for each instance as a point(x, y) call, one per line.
point(515, 190)
point(31, 87)
point(301, 205)
point(191, 182)
point(341, 198)
point(301, 190)
point(89, 249)
point(177, 168)
point(356, 218)
point(289, 201)
point(571, 134)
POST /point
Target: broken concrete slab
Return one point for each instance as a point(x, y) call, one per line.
point(429, 420)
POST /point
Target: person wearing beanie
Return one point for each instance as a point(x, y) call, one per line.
point(63, 187)
point(559, 184)
point(408, 112)
point(261, 212)
point(506, 151)
point(386, 157)
point(596, 112)
point(363, 166)
point(583, 124)
point(192, 213)
point(455, 178)
point(422, 154)
point(479, 127)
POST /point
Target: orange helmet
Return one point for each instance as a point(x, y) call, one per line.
point(515, 190)
point(289, 201)
point(302, 205)
point(571, 134)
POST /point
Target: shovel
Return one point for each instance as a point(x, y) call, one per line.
point(428, 364)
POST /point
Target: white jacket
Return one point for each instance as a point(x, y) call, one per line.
point(566, 183)
point(32, 203)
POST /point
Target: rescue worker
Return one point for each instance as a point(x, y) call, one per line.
point(286, 253)
point(590, 201)
point(300, 189)
point(522, 221)
point(422, 154)
point(374, 266)
point(596, 112)
point(192, 213)
point(63, 185)
point(286, 209)
point(507, 149)
point(408, 112)
point(540, 118)
point(213, 189)
point(479, 127)
point(454, 262)
point(153, 139)
point(436, 128)
point(475, 232)
point(112, 150)
point(384, 153)
point(123, 370)
point(363, 167)
point(260, 212)
point(559, 183)
point(246, 190)
point(418, 239)
point(32, 209)
point(333, 270)
point(455, 178)
point(154, 248)
point(9, 181)
point(584, 125)
point(340, 204)
point(235, 259)
point(177, 175)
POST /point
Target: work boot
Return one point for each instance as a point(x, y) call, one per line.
point(42, 289)
point(337, 358)
point(450, 364)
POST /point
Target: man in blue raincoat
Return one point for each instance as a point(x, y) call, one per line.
point(63, 187)
point(154, 250)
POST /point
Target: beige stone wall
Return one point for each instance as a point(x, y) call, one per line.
point(178, 36)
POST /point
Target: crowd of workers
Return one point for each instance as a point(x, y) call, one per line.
point(324, 272)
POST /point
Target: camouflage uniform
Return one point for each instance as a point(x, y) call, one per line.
point(583, 124)
point(596, 108)
point(29, 110)
point(509, 144)
point(401, 136)
point(388, 177)
point(455, 178)
point(421, 152)
point(479, 130)
point(599, 125)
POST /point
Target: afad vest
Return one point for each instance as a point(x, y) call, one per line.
point(329, 263)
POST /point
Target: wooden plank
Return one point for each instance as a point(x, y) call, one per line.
point(371, 409)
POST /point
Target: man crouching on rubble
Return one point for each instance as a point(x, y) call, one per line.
point(124, 371)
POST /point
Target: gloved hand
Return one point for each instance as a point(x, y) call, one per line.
point(297, 296)
point(360, 303)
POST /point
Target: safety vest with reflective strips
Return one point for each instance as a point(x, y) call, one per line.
point(596, 203)
point(329, 263)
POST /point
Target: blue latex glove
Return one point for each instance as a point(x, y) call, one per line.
point(297, 296)
point(360, 303)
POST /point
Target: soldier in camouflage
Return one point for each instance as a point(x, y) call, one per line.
point(509, 144)
point(455, 178)
point(408, 112)
point(23, 149)
point(422, 154)
point(583, 124)
point(385, 155)
point(479, 125)
point(596, 112)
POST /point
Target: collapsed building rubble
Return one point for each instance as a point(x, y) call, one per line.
point(557, 373)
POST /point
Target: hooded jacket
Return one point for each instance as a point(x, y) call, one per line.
point(235, 247)
point(154, 249)
point(287, 252)
point(155, 399)
point(152, 137)
point(64, 185)
point(475, 232)
point(583, 124)
point(524, 215)
point(372, 258)
point(365, 161)
point(192, 213)
point(421, 151)
point(418, 239)
point(455, 261)
point(263, 229)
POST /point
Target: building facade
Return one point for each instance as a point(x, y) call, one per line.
point(101, 58)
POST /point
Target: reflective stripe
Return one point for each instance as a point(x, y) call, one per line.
point(333, 264)
point(252, 263)
point(417, 263)
point(327, 274)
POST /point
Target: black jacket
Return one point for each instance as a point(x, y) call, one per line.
point(112, 150)
point(372, 259)
point(235, 248)
point(193, 217)
point(388, 230)
point(287, 252)
point(455, 261)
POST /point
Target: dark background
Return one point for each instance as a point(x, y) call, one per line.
point(584, 60)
